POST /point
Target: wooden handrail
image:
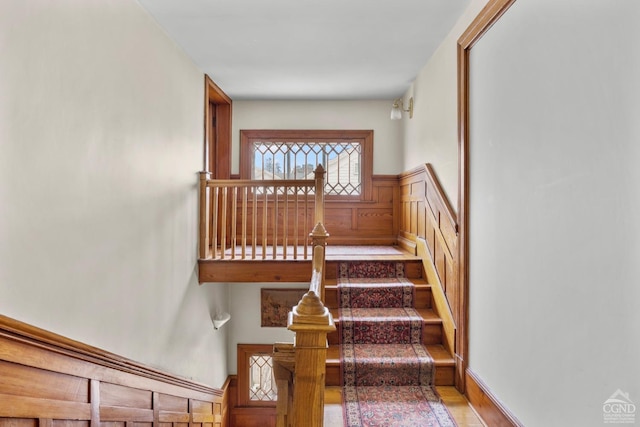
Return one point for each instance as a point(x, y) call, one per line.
point(300, 369)
point(255, 215)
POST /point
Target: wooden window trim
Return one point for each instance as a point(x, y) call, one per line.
point(245, 351)
point(363, 137)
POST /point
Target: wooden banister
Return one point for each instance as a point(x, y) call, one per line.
point(319, 238)
point(301, 399)
point(258, 215)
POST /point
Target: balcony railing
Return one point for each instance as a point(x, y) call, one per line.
point(259, 219)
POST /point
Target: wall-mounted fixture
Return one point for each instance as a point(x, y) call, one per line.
point(220, 319)
point(398, 108)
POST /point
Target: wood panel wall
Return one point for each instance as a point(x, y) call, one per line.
point(365, 222)
point(349, 221)
point(425, 213)
point(47, 380)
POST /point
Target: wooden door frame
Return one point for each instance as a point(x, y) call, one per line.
point(488, 16)
point(217, 151)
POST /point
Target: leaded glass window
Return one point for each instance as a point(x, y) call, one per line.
point(262, 384)
point(298, 160)
point(346, 156)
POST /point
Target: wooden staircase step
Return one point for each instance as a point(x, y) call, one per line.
point(444, 362)
point(432, 324)
point(431, 333)
point(412, 268)
point(423, 297)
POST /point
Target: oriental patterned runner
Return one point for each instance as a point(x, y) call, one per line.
point(387, 373)
point(392, 406)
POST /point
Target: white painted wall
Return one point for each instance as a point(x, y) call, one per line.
point(245, 309)
point(368, 114)
point(432, 135)
point(555, 202)
point(101, 138)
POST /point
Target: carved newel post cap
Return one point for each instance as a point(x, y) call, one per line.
point(310, 305)
point(319, 231)
point(310, 315)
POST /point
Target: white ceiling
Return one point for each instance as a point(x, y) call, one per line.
point(308, 49)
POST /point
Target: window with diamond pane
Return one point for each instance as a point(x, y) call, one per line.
point(298, 160)
point(262, 385)
point(346, 156)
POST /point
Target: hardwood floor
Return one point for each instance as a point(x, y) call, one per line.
point(459, 407)
point(456, 403)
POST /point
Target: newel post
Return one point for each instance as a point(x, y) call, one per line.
point(203, 220)
point(311, 321)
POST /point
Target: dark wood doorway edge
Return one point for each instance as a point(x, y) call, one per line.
point(488, 16)
point(217, 130)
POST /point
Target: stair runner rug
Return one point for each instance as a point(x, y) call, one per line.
point(387, 373)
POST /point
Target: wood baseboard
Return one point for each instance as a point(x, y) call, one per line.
point(490, 409)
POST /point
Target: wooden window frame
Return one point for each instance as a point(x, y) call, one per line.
point(245, 351)
point(362, 137)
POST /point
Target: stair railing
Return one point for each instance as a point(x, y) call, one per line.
point(245, 219)
point(300, 368)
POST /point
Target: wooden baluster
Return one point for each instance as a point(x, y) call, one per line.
point(244, 222)
point(223, 225)
point(264, 223)
point(203, 220)
point(285, 225)
point(319, 190)
point(254, 228)
point(234, 219)
point(306, 221)
point(274, 238)
point(296, 220)
point(214, 223)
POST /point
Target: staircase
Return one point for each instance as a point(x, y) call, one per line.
point(432, 324)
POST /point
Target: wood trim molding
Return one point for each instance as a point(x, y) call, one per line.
point(490, 409)
point(492, 11)
point(21, 332)
point(488, 16)
point(52, 378)
point(442, 198)
point(217, 140)
point(428, 228)
point(244, 353)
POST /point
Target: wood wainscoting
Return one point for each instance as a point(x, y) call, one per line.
point(47, 380)
point(425, 213)
point(365, 222)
